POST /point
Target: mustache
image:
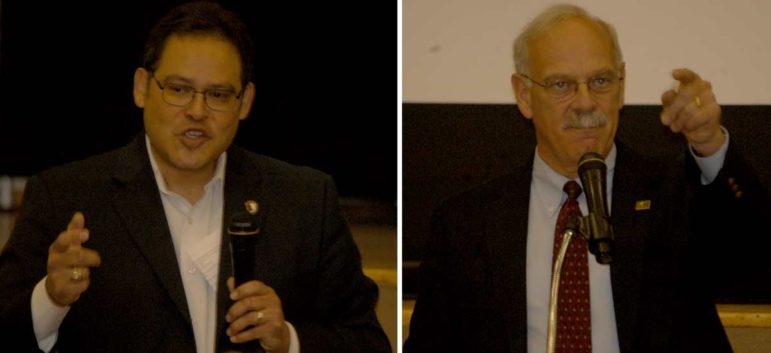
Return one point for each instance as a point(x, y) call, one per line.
point(586, 120)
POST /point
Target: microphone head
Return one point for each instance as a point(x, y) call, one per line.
point(243, 223)
point(589, 161)
point(592, 170)
point(243, 230)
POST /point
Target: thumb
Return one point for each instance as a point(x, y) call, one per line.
point(231, 284)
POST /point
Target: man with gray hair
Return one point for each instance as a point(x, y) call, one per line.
point(486, 275)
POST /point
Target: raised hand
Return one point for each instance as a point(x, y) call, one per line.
point(69, 263)
point(691, 109)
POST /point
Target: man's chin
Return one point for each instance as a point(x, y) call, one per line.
point(585, 145)
point(191, 163)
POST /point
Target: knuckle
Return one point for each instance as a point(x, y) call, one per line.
point(275, 327)
point(251, 302)
point(247, 335)
point(237, 325)
point(254, 316)
point(236, 309)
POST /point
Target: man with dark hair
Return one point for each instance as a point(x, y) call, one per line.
point(126, 251)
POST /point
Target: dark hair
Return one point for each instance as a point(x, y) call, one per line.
point(201, 18)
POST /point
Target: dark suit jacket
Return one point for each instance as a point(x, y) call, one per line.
point(472, 294)
point(136, 301)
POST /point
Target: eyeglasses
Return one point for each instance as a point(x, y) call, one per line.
point(181, 95)
point(563, 88)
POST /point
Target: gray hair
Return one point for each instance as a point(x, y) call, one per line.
point(547, 19)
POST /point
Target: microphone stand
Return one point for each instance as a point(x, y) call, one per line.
point(567, 235)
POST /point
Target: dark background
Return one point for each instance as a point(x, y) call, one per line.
point(447, 148)
point(325, 77)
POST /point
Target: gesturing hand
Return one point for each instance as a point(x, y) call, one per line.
point(693, 110)
point(69, 263)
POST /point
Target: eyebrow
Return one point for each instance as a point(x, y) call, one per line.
point(558, 76)
point(189, 82)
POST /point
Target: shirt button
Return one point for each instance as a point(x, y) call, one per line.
point(191, 270)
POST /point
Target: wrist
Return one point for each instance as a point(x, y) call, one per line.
point(711, 145)
point(51, 297)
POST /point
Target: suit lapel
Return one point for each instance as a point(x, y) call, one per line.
point(139, 205)
point(631, 181)
point(242, 183)
point(506, 221)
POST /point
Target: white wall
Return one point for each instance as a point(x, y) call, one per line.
point(460, 50)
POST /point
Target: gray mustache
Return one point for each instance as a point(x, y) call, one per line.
point(586, 120)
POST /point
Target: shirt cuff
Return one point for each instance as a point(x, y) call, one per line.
point(294, 341)
point(710, 166)
point(46, 316)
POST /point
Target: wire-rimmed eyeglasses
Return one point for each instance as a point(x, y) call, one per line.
point(563, 88)
point(181, 95)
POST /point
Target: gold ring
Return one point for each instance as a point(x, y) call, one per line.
point(697, 101)
point(260, 315)
point(77, 274)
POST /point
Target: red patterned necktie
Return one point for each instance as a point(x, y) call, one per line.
point(574, 329)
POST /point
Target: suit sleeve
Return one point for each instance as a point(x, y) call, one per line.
point(729, 244)
point(346, 298)
point(22, 266)
point(431, 327)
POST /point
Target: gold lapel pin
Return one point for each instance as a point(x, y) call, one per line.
point(252, 206)
point(642, 205)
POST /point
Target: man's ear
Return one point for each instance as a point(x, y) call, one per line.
point(246, 101)
point(522, 94)
point(622, 72)
point(141, 78)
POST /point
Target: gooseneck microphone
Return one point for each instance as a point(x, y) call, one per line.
point(243, 230)
point(596, 225)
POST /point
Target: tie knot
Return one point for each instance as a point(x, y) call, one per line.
point(572, 189)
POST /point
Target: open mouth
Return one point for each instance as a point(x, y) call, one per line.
point(193, 138)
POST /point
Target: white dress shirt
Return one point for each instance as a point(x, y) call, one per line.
point(546, 199)
point(196, 231)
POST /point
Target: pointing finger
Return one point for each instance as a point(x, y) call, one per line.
point(685, 76)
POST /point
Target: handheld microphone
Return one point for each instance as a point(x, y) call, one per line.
point(592, 170)
point(243, 230)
